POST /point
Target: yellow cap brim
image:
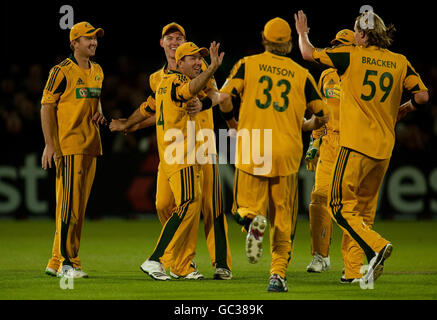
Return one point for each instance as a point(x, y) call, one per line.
point(175, 26)
point(97, 31)
point(203, 52)
point(340, 40)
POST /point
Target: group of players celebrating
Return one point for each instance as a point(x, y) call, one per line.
point(353, 111)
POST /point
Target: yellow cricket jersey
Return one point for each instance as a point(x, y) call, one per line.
point(176, 131)
point(77, 93)
point(329, 85)
point(275, 92)
point(372, 82)
point(149, 106)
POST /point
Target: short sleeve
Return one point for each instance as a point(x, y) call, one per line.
point(336, 57)
point(412, 81)
point(55, 86)
point(234, 84)
point(148, 107)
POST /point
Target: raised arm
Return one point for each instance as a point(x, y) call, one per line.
point(305, 46)
point(202, 79)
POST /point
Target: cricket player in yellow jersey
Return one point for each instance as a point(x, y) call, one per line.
point(372, 82)
point(325, 143)
point(185, 175)
point(214, 220)
point(275, 92)
point(70, 116)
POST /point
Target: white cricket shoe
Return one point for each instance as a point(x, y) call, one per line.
point(254, 239)
point(51, 272)
point(222, 274)
point(376, 265)
point(70, 272)
point(155, 270)
point(195, 275)
point(319, 264)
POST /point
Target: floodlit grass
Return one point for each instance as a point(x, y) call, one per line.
point(112, 251)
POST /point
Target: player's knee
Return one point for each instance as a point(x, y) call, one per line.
point(163, 206)
point(318, 199)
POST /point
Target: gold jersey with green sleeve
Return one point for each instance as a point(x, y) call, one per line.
point(275, 92)
point(329, 85)
point(177, 133)
point(76, 93)
point(149, 106)
point(372, 83)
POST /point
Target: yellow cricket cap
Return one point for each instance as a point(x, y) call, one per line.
point(189, 49)
point(84, 29)
point(344, 36)
point(277, 30)
point(171, 26)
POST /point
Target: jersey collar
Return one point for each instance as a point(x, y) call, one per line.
point(72, 58)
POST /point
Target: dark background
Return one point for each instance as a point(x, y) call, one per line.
point(32, 42)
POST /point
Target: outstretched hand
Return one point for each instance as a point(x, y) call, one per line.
point(301, 22)
point(118, 125)
point(216, 58)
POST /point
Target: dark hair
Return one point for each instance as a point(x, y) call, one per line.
point(378, 34)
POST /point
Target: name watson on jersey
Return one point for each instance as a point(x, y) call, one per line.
point(276, 70)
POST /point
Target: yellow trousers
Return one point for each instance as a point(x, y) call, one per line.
point(319, 217)
point(352, 200)
point(214, 219)
point(255, 195)
point(178, 239)
point(74, 179)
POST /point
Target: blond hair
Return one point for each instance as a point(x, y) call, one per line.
point(277, 48)
point(378, 34)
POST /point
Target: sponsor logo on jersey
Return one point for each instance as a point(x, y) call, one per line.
point(80, 82)
point(84, 93)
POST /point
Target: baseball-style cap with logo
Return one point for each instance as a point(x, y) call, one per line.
point(84, 29)
point(189, 49)
point(173, 26)
point(344, 36)
point(277, 30)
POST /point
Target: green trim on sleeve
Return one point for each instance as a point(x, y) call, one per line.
point(340, 60)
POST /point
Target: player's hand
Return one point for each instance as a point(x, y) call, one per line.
point(301, 22)
point(232, 123)
point(404, 109)
point(312, 154)
point(118, 125)
point(48, 155)
point(216, 58)
point(99, 118)
point(194, 106)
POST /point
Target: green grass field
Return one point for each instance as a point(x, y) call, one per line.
point(112, 251)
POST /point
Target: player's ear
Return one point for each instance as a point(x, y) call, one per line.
point(161, 42)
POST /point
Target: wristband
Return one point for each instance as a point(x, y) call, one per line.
point(206, 103)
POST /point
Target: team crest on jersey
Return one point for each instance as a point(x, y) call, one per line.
point(97, 78)
point(83, 92)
